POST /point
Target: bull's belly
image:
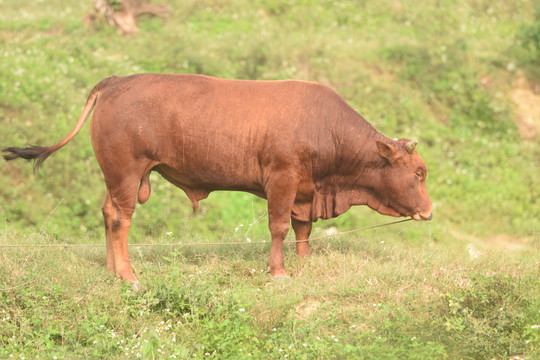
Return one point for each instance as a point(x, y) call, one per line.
point(210, 177)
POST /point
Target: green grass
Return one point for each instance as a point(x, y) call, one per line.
point(463, 286)
point(356, 297)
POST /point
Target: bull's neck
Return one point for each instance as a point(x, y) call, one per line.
point(357, 153)
point(359, 164)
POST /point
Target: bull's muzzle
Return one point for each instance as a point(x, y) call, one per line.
point(422, 216)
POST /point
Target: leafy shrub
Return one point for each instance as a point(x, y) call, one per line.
point(530, 33)
point(484, 317)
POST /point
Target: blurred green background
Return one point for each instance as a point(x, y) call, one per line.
point(462, 77)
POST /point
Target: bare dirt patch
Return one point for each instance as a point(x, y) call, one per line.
point(476, 247)
point(509, 243)
point(305, 310)
point(526, 97)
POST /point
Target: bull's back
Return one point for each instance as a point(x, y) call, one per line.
point(206, 130)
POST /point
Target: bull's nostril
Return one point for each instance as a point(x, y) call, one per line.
point(421, 216)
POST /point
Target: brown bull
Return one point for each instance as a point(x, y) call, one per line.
point(296, 144)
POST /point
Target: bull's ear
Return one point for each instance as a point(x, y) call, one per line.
point(387, 151)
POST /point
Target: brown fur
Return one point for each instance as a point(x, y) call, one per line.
point(296, 144)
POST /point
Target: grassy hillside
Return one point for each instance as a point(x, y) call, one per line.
point(442, 74)
point(461, 77)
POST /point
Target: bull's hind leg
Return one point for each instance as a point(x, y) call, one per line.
point(117, 211)
point(108, 213)
point(302, 230)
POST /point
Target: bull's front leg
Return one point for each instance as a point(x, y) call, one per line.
point(276, 262)
point(302, 229)
point(281, 192)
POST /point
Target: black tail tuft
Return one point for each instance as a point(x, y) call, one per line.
point(37, 153)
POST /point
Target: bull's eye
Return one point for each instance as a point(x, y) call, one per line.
point(419, 175)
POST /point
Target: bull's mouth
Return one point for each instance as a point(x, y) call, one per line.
point(418, 216)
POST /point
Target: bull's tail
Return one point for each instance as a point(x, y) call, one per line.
point(39, 153)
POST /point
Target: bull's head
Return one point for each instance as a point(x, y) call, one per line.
point(402, 190)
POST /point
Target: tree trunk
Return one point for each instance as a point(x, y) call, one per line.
point(123, 13)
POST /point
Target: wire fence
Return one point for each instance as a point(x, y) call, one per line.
point(180, 244)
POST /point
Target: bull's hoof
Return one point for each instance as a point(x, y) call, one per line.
point(136, 286)
point(281, 278)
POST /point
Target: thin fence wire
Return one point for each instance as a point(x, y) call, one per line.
point(180, 244)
